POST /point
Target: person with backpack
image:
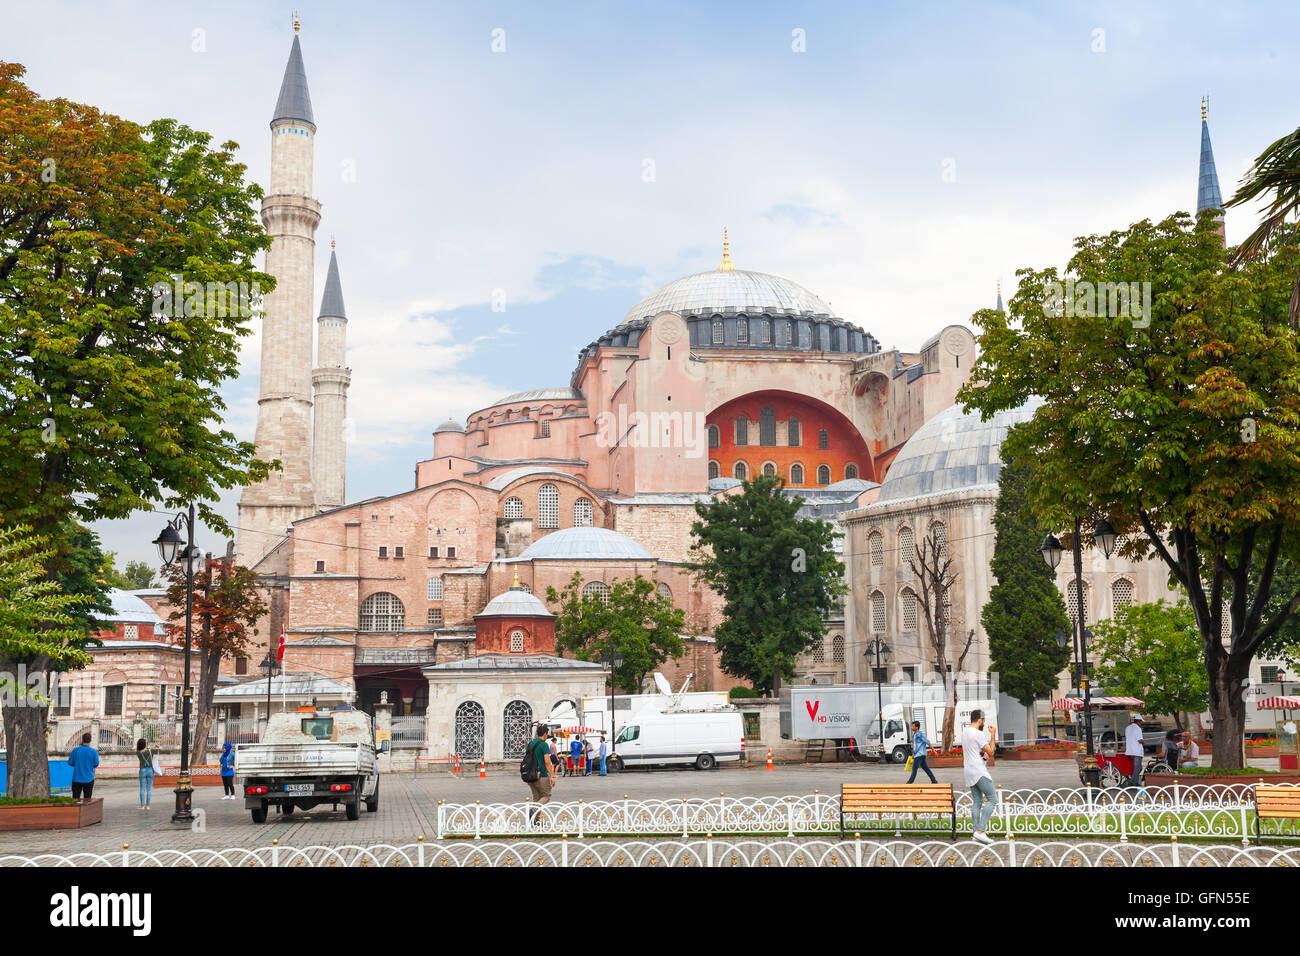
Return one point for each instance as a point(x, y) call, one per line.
point(537, 769)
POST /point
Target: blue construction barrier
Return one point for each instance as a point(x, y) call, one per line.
point(60, 777)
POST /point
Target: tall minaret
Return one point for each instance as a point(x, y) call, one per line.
point(290, 215)
point(1207, 189)
point(330, 381)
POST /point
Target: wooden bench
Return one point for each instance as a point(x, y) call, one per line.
point(1274, 802)
point(894, 798)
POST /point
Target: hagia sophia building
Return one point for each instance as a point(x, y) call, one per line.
point(432, 595)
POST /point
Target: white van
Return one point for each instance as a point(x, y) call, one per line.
point(702, 738)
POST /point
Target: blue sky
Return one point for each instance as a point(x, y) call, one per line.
point(521, 175)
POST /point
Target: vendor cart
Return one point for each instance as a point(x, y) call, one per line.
point(1288, 741)
point(1109, 717)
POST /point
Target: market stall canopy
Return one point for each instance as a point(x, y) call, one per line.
point(1076, 703)
point(1279, 703)
point(578, 730)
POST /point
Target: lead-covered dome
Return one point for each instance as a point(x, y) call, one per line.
point(733, 290)
point(585, 544)
point(951, 452)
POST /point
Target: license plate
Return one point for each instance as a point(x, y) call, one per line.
point(298, 788)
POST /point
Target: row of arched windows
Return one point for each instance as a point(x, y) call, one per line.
point(908, 607)
point(906, 544)
point(769, 469)
point(548, 509)
point(470, 729)
point(837, 650)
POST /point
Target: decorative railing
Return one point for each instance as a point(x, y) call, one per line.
point(408, 731)
point(1184, 811)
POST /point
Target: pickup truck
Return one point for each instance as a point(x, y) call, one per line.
point(309, 758)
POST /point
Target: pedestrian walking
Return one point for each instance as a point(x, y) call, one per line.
point(920, 747)
point(586, 757)
point(228, 771)
point(83, 760)
point(1135, 748)
point(1189, 755)
point(1171, 750)
point(602, 754)
point(144, 754)
point(541, 768)
point(976, 748)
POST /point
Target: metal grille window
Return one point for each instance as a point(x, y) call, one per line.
point(514, 508)
point(434, 591)
point(796, 474)
point(435, 615)
point(906, 546)
point(717, 331)
point(792, 433)
point(823, 474)
point(940, 534)
point(113, 701)
point(769, 469)
point(1074, 599)
point(516, 642)
point(1121, 593)
point(767, 426)
point(909, 609)
point(823, 439)
point(715, 439)
point(382, 612)
point(819, 651)
point(741, 470)
point(876, 547)
point(742, 430)
point(837, 649)
point(788, 335)
point(546, 429)
point(597, 589)
point(715, 470)
point(469, 730)
point(1225, 622)
point(850, 471)
point(582, 513)
point(765, 331)
point(665, 592)
point(548, 506)
point(518, 729)
point(877, 611)
point(742, 332)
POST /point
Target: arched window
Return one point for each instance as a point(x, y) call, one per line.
point(878, 611)
point(469, 730)
point(742, 430)
point(796, 474)
point(742, 332)
point(906, 547)
point(548, 506)
point(1121, 596)
point(741, 470)
point(1074, 600)
point(792, 432)
point(598, 590)
point(939, 532)
point(517, 730)
point(434, 590)
point(788, 337)
point(514, 508)
point(582, 513)
point(665, 592)
point(765, 331)
point(823, 439)
point(715, 469)
point(767, 426)
point(850, 471)
point(717, 331)
point(516, 642)
point(837, 649)
point(382, 612)
point(876, 548)
point(715, 439)
point(769, 469)
point(908, 598)
point(823, 474)
point(819, 649)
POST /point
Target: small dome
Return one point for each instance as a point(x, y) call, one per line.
point(578, 544)
point(130, 609)
point(515, 602)
point(449, 426)
point(724, 483)
point(952, 451)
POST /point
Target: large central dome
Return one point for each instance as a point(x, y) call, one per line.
point(731, 291)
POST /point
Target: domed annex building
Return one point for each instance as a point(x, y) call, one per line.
point(433, 592)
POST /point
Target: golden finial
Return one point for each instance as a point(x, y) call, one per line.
point(999, 287)
point(296, 24)
point(726, 265)
point(1203, 101)
point(516, 584)
point(331, 242)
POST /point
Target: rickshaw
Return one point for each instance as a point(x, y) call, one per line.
point(1109, 717)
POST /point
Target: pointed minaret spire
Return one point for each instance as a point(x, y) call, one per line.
point(1207, 192)
point(330, 380)
point(294, 102)
point(331, 302)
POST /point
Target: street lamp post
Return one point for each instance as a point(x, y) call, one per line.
point(272, 667)
point(1103, 536)
point(613, 661)
point(169, 543)
point(877, 646)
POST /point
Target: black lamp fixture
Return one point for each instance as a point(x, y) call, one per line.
point(169, 543)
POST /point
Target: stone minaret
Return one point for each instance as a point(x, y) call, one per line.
point(330, 381)
point(290, 215)
point(1207, 186)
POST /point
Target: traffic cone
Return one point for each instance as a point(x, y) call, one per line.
point(769, 759)
point(482, 768)
point(456, 765)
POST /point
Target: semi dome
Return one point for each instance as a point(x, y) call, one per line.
point(951, 452)
point(580, 544)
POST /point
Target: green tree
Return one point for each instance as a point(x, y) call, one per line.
point(1275, 173)
point(1024, 612)
point(138, 575)
point(110, 575)
point(1178, 424)
point(1153, 653)
point(777, 575)
point(111, 396)
point(635, 621)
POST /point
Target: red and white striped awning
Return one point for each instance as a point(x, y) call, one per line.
point(1279, 703)
point(1076, 703)
point(578, 730)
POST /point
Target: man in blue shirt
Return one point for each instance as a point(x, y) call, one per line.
point(575, 756)
point(920, 747)
point(83, 760)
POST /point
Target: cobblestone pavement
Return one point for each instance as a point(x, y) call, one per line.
point(408, 804)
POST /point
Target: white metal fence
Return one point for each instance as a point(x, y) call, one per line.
point(1184, 811)
point(688, 853)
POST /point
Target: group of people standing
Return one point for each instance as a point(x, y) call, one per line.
point(84, 760)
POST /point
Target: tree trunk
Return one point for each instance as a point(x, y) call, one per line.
point(1228, 708)
point(209, 668)
point(25, 725)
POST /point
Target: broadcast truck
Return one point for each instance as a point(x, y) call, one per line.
point(312, 757)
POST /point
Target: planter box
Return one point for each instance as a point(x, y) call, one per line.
point(52, 816)
point(169, 780)
point(1206, 780)
point(1267, 750)
point(1061, 753)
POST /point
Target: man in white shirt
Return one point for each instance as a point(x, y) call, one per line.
point(1135, 748)
point(976, 748)
point(1188, 753)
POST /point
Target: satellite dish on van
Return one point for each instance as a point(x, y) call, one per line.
point(661, 682)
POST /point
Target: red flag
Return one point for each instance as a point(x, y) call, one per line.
point(279, 655)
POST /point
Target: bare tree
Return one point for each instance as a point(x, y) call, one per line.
point(933, 569)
